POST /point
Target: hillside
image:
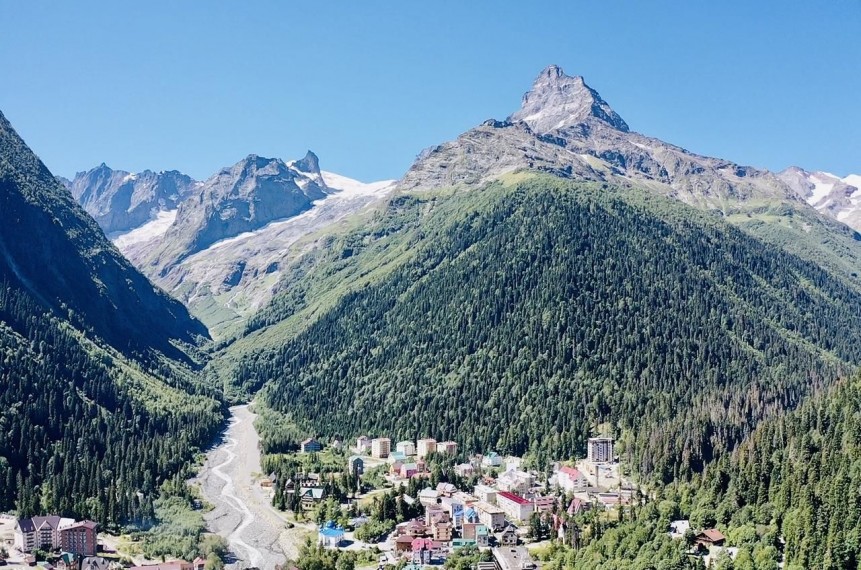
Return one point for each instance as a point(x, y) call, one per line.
point(551, 307)
point(101, 399)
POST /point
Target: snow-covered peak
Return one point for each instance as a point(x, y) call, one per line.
point(557, 101)
point(351, 187)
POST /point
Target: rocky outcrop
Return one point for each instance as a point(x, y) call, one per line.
point(121, 201)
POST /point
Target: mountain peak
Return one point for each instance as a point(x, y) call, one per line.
point(557, 101)
point(309, 165)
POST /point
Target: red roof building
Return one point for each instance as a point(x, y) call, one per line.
point(515, 507)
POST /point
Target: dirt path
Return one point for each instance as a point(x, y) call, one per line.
point(243, 514)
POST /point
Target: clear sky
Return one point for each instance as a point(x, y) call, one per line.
point(367, 85)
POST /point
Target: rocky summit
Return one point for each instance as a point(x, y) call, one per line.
point(565, 128)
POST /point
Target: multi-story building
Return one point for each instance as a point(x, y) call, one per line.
point(425, 447)
point(490, 516)
point(79, 538)
point(363, 444)
point(406, 447)
point(600, 449)
point(514, 481)
point(310, 445)
point(485, 493)
point(569, 478)
point(515, 507)
point(381, 447)
point(449, 447)
point(40, 533)
point(516, 558)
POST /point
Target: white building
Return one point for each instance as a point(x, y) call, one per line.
point(515, 507)
point(569, 478)
point(485, 493)
point(40, 533)
point(514, 481)
point(600, 449)
point(490, 516)
point(426, 446)
point(381, 447)
point(406, 447)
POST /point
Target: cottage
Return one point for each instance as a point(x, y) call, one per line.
point(508, 536)
point(709, 537)
point(310, 445)
point(309, 497)
point(577, 506)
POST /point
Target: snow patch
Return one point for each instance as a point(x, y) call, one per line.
point(351, 187)
point(823, 183)
point(853, 180)
point(152, 229)
point(129, 177)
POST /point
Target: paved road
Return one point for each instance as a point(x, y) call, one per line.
point(243, 515)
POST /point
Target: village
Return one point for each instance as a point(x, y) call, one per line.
point(500, 507)
point(497, 508)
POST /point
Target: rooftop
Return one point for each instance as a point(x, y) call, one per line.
point(512, 497)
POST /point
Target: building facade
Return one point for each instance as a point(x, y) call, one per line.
point(426, 446)
point(408, 448)
point(381, 447)
point(79, 538)
point(600, 449)
point(515, 507)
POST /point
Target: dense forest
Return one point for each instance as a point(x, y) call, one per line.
point(547, 308)
point(88, 433)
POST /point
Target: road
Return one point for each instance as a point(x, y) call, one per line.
point(242, 513)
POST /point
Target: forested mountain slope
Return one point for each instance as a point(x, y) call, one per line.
point(519, 316)
point(99, 397)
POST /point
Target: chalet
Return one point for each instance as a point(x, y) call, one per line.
point(508, 536)
point(709, 537)
point(310, 445)
point(309, 497)
point(515, 507)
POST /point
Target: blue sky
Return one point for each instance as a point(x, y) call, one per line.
point(195, 86)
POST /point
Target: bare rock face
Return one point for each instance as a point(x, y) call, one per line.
point(252, 193)
point(564, 127)
point(557, 101)
point(120, 201)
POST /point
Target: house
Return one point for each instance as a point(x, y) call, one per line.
point(508, 536)
point(397, 456)
point(465, 470)
point(173, 565)
point(600, 449)
point(569, 478)
point(454, 508)
point(515, 507)
point(491, 460)
point(514, 481)
point(428, 496)
point(98, 563)
point(363, 444)
point(415, 528)
point(330, 535)
point(381, 447)
point(425, 447)
point(476, 532)
point(517, 558)
point(404, 543)
point(79, 538)
point(446, 489)
point(406, 447)
point(448, 447)
point(470, 516)
point(485, 493)
point(310, 445)
point(577, 506)
point(198, 563)
point(423, 550)
point(408, 470)
point(310, 496)
point(356, 465)
point(709, 537)
point(40, 533)
point(490, 515)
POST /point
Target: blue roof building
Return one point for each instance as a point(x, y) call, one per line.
point(331, 534)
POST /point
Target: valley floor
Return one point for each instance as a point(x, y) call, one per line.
point(242, 514)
